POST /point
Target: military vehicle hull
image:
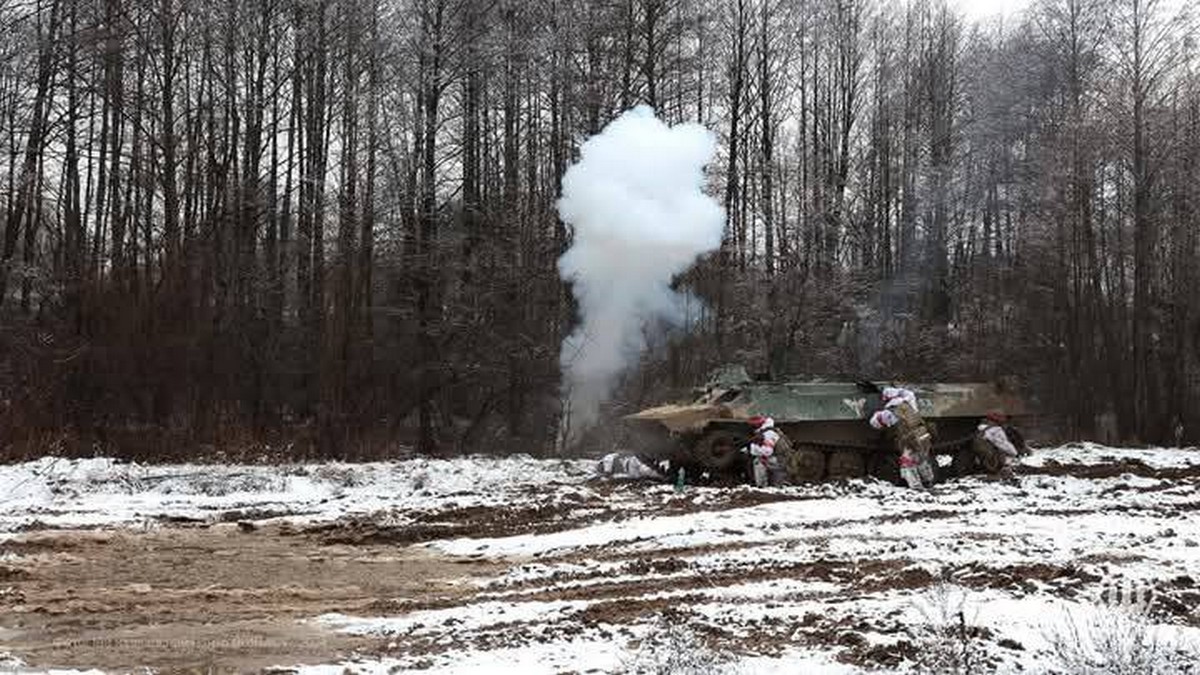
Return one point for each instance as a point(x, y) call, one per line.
point(825, 421)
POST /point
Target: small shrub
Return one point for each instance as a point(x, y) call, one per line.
point(673, 649)
point(1119, 642)
point(947, 638)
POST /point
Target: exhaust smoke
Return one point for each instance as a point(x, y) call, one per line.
point(640, 217)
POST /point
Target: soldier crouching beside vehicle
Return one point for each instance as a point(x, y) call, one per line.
point(994, 450)
point(909, 435)
point(766, 448)
point(621, 465)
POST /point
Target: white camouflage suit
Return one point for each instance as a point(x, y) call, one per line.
point(995, 435)
point(767, 470)
point(618, 465)
point(915, 466)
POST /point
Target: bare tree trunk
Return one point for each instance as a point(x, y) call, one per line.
point(24, 210)
point(428, 307)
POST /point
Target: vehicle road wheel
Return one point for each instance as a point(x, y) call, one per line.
point(718, 449)
point(992, 462)
point(885, 466)
point(806, 465)
point(965, 461)
point(845, 464)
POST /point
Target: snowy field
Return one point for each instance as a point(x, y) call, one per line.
point(57, 492)
point(1091, 561)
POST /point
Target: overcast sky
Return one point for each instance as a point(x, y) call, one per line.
point(982, 9)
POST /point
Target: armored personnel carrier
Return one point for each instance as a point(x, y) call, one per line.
point(826, 422)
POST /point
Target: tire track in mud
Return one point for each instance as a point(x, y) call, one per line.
point(132, 595)
point(567, 512)
point(1115, 468)
point(217, 599)
point(630, 585)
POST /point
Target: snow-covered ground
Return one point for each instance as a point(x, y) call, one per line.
point(1092, 558)
point(1095, 454)
point(56, 492)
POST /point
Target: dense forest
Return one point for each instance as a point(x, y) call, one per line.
point(328, 227)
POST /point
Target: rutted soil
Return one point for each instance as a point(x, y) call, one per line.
point(570, 511)
point(205, 598)
point(231, 598)
point(231, 594)
point(1114, 468)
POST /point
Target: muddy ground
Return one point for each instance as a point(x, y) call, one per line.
point(231, 594)
point(234, 596)
point(192, 598)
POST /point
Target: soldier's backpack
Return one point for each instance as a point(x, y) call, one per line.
point(783, 447)
point(911, 431)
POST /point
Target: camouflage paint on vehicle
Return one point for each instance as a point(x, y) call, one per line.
point(823, 401)
point(825, 418)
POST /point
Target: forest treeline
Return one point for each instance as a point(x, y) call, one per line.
point(328, 226)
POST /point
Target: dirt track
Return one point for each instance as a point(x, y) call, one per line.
point(202, 598)
point(833, 568)
point(222, 597)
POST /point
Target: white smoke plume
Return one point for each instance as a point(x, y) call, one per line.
point(640, 216)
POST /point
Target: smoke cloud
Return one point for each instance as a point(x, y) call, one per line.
point(640, 216)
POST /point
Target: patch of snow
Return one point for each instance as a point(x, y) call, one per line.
point(708, 527)
point(597, 656)
point(61, 492)
point(465, 618)
point(9, 662)
point(1094, 454)
point(795, 661)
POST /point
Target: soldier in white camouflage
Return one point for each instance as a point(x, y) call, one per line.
point(994, 450)
point(627, 466)
point(767, 449)
point(909, 435)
